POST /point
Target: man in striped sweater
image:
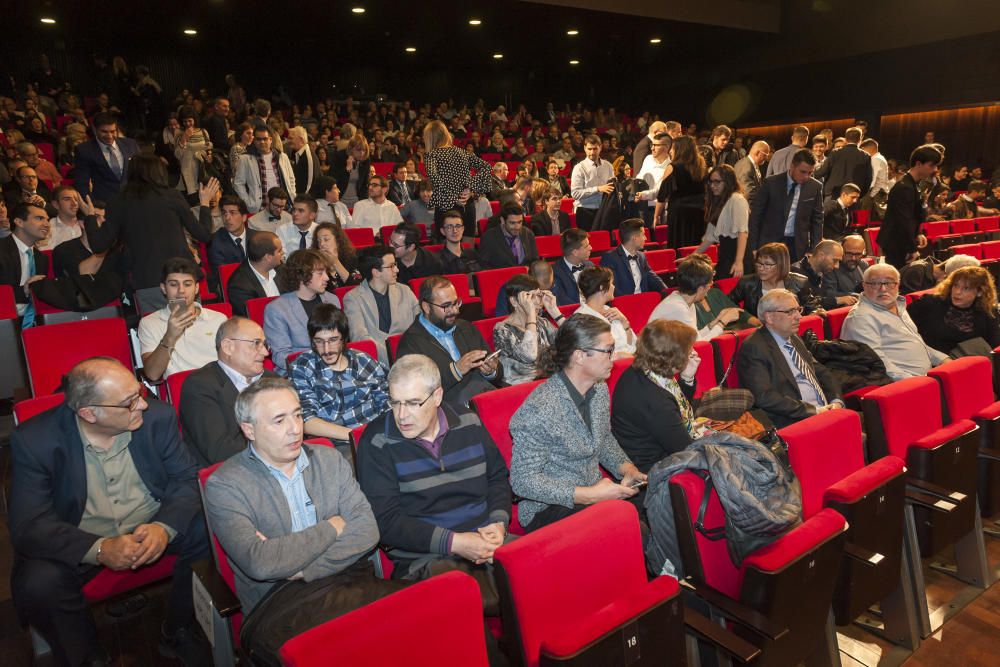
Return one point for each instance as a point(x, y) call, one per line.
point(435, 480)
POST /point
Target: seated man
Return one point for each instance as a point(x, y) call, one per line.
point(379, 307)
point(298, 234)
point(339, 388)
point(436, 481)
point(419, 210)
point(454, 345)
point(290, 548)
point(454, 256)
point(837, 212)
point(256, 277)
point(575, 244)
point(209, 394)
point(275, 215)
point(230, 242)
point(562, 432)
point(823, 260)
point(510, 243)
point(22, 261)
point(845, 280)
point(774, 364)
point(924, 274)
point(66, 225)
point(181, 335)
point(881, 322)
point(412, 260)
point(628, 262)
point(128, 497)
point(376, 211)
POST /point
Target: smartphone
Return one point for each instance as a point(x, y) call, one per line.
point(177, 306)
point(491, 357)
point(640, 484)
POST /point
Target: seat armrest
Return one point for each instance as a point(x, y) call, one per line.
point(737, 647)
point(864, 556)
point(989, 453)
point(934, 490)
point(929, 502)
point(223, 599)
point(739, 612)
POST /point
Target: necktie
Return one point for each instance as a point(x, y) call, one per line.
point(404, 194)
point(239, 244)
point(271, 218)
point(113, 161)
point(633, 258)
point(805, 370)
point(791, 190)
point(512, 242)
point(29, 312)
point(302, 240)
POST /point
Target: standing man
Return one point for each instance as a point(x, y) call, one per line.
point(217, 126)
point(874, 200)
point(900, 237)
point(850, 164)
point(590, 182)
point(748, 169)
point(261, 169)
point(101, 166)
point(644, 147)
point(651, 173)
point(782, 158)
point(789, 208)
point(837, 212)
point(305, 164)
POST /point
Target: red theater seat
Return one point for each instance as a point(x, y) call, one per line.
point(225, 272)
point(392, 345)
point(637, 307)
point(361, 237)
point(49, 354)
point(459, 280)
point(486, 329)
point(489, 283)
point(835, 321)
point(255, 308)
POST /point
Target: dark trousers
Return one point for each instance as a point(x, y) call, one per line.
point(585, 217)
point(554, 513)
point(789, 242)
point(646, 213)
point(49, 596)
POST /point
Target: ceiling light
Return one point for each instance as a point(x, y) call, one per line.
point(574, 62)
point(48, 20)
point(475, 22)
point(498, 56)
point(190, 31)
point(358, 10)
point(411, 49)
point(655, 40)
point(572, 32)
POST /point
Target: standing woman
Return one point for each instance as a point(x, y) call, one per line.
point(244, 137)
point(191, 141)
point(449, 170)
point(352, 168)
point(682, 191)
point(727, 214)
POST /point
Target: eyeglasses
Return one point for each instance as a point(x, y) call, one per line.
point(327, 342)
point(389, 266)
point(131, 406)
point(885, 285)
point(447, 306)
point(853, 254)
point(789, 311)
point(452, 228)
point(411, 404)
point(256, 342)
point(600, 350)
point(398, 246)
point(766, 265)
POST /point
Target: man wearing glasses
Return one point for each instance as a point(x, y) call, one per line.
point(788, 384)
point(379, 307)
point(209, 393)
point(845, 280)
point(413, 261)
point(375, 212)
point(817, 265)
point(435, 480)
point(260, 170)
point(455, 257)
point(454, 345)
point(102, 481)
point(880, 321)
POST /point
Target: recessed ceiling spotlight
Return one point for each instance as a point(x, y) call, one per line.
point(574, 62)
point(190, 31)
point(498, 56)
point(48, 20)
point(358, 10)
point(655, 40)
point(411, 49)
point(475, 22)
point(572, 32)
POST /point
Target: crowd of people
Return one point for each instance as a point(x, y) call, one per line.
point(227, 182)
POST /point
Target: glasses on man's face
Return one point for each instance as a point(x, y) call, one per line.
point(452, 228)
point(791, 311)
point(411, 404)
point(853, 254)
point(258, 343)
point(450, 305)
point(397, 246)
point(387, 267)
point(889, 284)
point(131, 405)
point(766, 265)
point(323, 343)
point(600, 350)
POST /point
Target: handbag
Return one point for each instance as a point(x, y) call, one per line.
point(974, 347)
point(725, 404)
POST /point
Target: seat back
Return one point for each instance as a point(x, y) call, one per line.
point(637, 307)
point(459, 280)
point(705, 377)
point(175, 384)
point(486, 327)
point(549, 247)
point(662, 261)
point(225, 272)
point(990, 249)
point(367, 346)
point(224, 308)
point(963, 226)
point(835, 321)
point(970, 249)
point(490, 282)
point(443, 618)
point(392, 346)
point(600, 242)
point(813, 322)
point(496, 408)
point(8, 306)
point(967, 386)
point(617, 368)
point(361, 237)
point(726, 348)
point(899, 414)
point(255, 308)
point(28, 408)
point(49, 355)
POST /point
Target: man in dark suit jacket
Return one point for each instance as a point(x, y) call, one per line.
point(576, 250)
point(255, 278)
point(217, 127)
point(101, 166)
point(748, 169)
point(771, 218)
point(65, 529)
point(849, 164)
point(628, 262)
point(26, 186)
point(510, 243)
point(400, 192)
point(788, 384)
point(209, 394)
point(837, 212)
point(29, 225)
point(900, 238)
point(230, 242)
point(305, 164)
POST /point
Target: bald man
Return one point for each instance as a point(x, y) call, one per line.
point(644, 147)
point(748, 168)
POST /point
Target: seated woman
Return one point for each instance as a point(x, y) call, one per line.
point(694, 281)
point(716, 301)
point(341, 257)
point(651, 413)
point(962, 308)
point(302, 279)
point(597, 285)
point(773, 266)
point(525, 336)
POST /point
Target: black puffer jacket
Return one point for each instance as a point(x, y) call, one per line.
point(854, 364)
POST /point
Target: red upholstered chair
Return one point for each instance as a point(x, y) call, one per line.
point(569, 309)
point(291, 357)
point(725, 348)
point(662, 261)
point(443, 625)
point(726, 285)
point(255, 308)
point(225, 272)
point(660, 233)
point(549, 247)
point(341, 292)
point(8, 307)
point(367, 346)
point(637, 307)
point(967, 386)
point(361, 237)
point(904, 419)
point(813, 322)
point(486, 329)
point(871, 236)
point(495, 409)
point(48, 314)
point(779, 598)
point(970, 249)
point(835, 321)
point(175, 384)
point(224, 308)
point(392, 344)
point(489, 284)
point(963, 226)
point(600, 242)
point(28, 408)
point(617, 368)
point(562, 610)
point(991, 249)
point(990, 224)
point(705, 377)
point(49, 354)
point(932, 230)
point(566, 205)
point(459, 280)
point(481, 224)
point(827, 453)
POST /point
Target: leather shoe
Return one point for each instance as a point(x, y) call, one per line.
point(186, 644)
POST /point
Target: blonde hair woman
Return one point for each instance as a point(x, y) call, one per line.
point(450, 170)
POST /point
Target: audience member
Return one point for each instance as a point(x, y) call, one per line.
point(781, 160)
point(256, 278)
point(900, 236)
point(45, 170)
point(340, 254)
point(773, 271)
point(103, 166)
point(748, 169)
point(525, 335)
point(718, 151)
point(454, 345)
point(789, 208)
point(557, 182)
point(845, 279)
point(629, 264)
point(510, 243)
point(880, 321)
point(230, 242)
point(874, 200)
point(816, 266)
point(727, 215)
point(597, 288)
point(455, 257)
point(269, 218)
point(23, 263)
point(644, 147)
point(576, 250)
point(305, 164)
point(498, 180)
point(208, 395)
point(682, 193)
point(298, 234)
point(376, 211)
point(837, 212)
point(694, 281)
point(26, 187)
point(963, 308)
point(589, 182)
point(849, 164)
point(66, 225)
point(217, 125)
point(787, 383)
point(380, 307)
point(922, 274)
point(412, 260)
point(562, 432)
point(399, 192)
point(352, 168)
point(418, 209)
point(966, 204)
point(329, 207)
point(653, 169)
point(551, 219)
point(260, 170)
point(130, 498)
point(454, 174)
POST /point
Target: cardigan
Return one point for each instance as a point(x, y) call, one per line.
point(646, 419)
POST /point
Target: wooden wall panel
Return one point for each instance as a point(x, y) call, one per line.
point(779, 136)
point(969, 134)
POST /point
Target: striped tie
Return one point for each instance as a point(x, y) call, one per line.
point(805, 370)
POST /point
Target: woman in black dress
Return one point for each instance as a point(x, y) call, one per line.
point(682, 190)
point(450, 170)
point(963, 308)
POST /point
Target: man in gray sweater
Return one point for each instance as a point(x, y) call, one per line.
point(292, 521)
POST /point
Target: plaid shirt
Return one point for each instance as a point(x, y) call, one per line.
point(351, 397)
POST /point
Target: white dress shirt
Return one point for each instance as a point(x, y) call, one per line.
point(336, 212)
point(240, 381)
point(267, 282)
point(375, 216)
point(651, 172)
point(674, 307)
point(587, 177)
point(262, 221)
point(880, 175)
point(291, 238)
point(60, 232)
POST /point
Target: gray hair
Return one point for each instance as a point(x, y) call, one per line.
point(416, 366)
point(300, 132)
point(876, 268)
point(246, 402)
point(82, 383)
point(227, 329)
point(769, 302)
point(956, 262)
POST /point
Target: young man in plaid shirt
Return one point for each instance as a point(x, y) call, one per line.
point(339, 388)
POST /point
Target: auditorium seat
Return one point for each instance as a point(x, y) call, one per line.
point(549, 247)
point(600, 242)
point(442, 626)
point(225, 272)
point(255, 308)
point(224, 308)
point(660, 233)
point(618, 367)
point(576, 593)
point(48, 314)
point(459, 280)
point(392, 344)
point(835, 321)
point(175, 384)
point(990, 249)
point(8, 306)
point(725, 348)
point(489, 284)
point(662, 261)
point(970, 249)
point(50, 351)
point(963, 226)
point(932, 230)
point(814, 323)
point(637, 308)
point(385, 232)
point(726, 285)
point(871, 238)
point(361, 237)
point(367, 346)
point(990, 224)
point(705, 377)
point(486, 327)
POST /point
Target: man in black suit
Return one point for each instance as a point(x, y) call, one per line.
point(29, 225)
point(412, 260)
point(789, 208)
point(645, 145)
point(748, 169)
point(575, 244)
point(399, 189)
point(255, 278)
point(101, 167)
point(229, 243)
point(305, 164)
point(25, 186)
point(628, 263)
point(837, 212)
point(900, 238)
point(217, 126)
point(102, 481)
point(849, 164)
point(209, 394)
point(788, 384)
point(509, 243)
point(818, 267)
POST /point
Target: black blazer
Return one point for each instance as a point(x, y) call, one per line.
point(849, 164)
point(836, 221)
point(770, 210)
point(748, 177)
point(395, 194)
point(301, 170)
point(223, 249)
point(563, 286)
point(215, 126)
point(904, 214)
point(642, 149)
point(646, 419)
point(495, 253)
point(541, 223)
point(243, 285)
point(210, 429)
point(10, 266)
point(618, 262)
point(338, 170)
point(765, 372)
point(12, 195)
point(92, 174)
point(49, 488)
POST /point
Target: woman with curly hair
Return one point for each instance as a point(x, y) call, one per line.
point(341, 256)
point(963, 307)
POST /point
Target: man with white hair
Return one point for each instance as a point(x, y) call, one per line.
point(748, 168)
point(644, 147)
point(787, 382)
point(305, 164)
point(880, 321)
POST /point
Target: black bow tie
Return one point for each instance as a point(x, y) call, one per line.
point(576, 269)
point(633, 258)
point(271, 218)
